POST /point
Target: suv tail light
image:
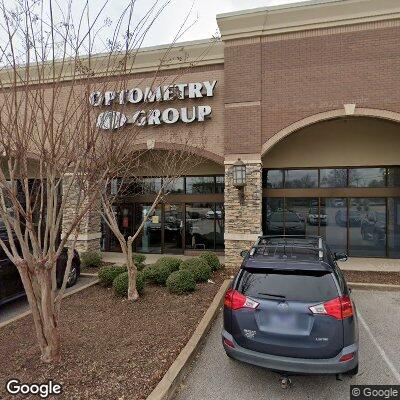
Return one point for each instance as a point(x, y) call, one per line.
point(339, 308)
point(235, 300)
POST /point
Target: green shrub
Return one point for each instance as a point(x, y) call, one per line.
point(172, 263)
point(180, 282)
point(139, 260)
point(211, 259)
point(199, 268)
point(108, 274)
point(120, 284)
point(161, 270)
point(91, 259)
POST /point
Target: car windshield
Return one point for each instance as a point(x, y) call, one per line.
point(292, 217)
point(277, 217)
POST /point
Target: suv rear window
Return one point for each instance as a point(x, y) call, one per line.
point(304, 286)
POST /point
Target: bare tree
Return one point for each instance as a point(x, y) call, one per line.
point(165, 168)
point(55, 160)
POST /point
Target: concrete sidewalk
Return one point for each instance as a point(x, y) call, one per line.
point(352, 264)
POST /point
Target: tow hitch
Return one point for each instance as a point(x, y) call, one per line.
point(286, 382)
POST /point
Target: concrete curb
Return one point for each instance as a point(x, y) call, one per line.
point(87, 274)
point(374, 286)
point(26, 313)
point(168, 385)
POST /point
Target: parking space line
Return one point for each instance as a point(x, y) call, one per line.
point(392, 368)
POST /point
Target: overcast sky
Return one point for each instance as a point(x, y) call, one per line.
point(200, 14)
point(204, 12)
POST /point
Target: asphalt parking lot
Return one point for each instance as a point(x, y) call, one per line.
point(215, 376)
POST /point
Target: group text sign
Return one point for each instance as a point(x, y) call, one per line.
point(111, 120)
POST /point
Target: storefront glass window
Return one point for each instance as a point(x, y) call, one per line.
point(200, 226)
point(149, 239)
point(199, 184)
point(301, 216)
point(367, 177)
point(393, 177)
point(367, 227)
point(174, 186)
point(333, 177)
point(273, 178)
point(301, 178)
point(333, 224)
point(273, 216)
point(219, 225)
point(219, 184)
point(394, 227)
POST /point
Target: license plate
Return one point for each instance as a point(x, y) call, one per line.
point(283, 320)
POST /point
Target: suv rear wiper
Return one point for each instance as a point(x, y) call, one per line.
point(273, 295)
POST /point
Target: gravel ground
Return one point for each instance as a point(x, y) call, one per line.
point(111, 348)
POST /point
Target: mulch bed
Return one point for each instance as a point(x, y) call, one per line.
point(111, 348)
point(391, 278)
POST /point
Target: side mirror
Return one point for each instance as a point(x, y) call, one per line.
point(341, 257)
point(244, 253)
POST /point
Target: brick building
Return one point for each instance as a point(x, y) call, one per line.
point(307, 96)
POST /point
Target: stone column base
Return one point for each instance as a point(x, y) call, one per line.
point(90, 242)
point(233, 259)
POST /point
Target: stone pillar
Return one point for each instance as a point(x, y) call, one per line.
point(242, 221)
point(89, 229)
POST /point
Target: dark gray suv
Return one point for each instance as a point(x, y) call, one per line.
point(289, 309)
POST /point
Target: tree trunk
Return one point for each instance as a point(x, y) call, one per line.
point(40, 296)
point(133, 294)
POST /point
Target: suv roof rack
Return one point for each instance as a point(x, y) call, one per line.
point(288, 245)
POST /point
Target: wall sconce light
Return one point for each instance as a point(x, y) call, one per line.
point(239, 178)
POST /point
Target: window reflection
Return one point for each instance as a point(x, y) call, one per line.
point(200, 225)
point(273, 219)
point(149, 239)
point(394, 227)
point(174, 186)
point(273, 178)
point(334, 229)
point(368, 238)
point(333, 177)
point(199, 184)
point(367, 177)
point(301, 178)
point(220, 184)
point(302, 216)
point(219, 226)
point(393, 177)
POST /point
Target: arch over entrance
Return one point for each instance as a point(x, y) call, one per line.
point(339, 177)
point(338, 113)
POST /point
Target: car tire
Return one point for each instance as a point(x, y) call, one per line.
point(73, 275)
point(353, 371)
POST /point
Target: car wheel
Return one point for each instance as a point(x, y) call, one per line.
point(353, 371)
point(73, 276)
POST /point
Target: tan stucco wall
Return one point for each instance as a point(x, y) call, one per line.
point(352, 141)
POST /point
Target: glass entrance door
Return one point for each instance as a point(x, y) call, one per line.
point(150, 237)
point(173, 228)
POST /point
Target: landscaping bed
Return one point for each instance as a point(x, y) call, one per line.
point(111, 348)
point(383, 277)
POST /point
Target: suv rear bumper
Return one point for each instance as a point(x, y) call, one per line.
point(290, 364)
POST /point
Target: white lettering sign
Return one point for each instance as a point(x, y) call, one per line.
point(111, 120)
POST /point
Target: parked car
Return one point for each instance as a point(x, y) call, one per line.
point(289, 309)
point(315, 217)
point(354, 218)
point(288, 220)
point(11, 286)
point(373, 227)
